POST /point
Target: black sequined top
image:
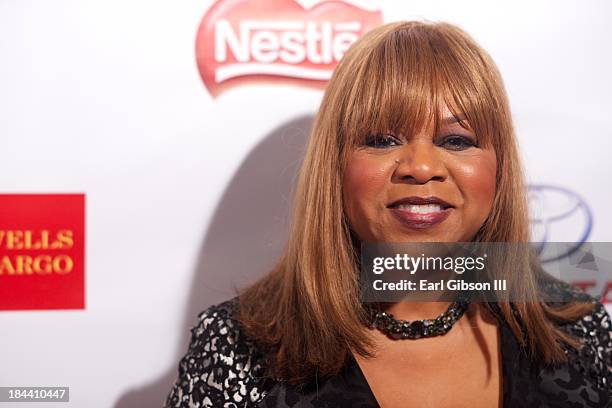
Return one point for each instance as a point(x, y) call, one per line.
point(223, 368)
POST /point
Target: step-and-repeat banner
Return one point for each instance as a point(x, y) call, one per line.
point(149, 151)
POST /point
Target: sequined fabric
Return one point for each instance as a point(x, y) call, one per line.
point(223, 368)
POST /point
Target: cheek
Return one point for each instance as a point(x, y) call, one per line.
point(475, 177)
point(364, 185)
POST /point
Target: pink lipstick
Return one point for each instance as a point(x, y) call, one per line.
point(420, 212)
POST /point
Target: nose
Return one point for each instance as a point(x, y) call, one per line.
point(419, 162)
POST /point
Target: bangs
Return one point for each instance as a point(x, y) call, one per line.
point(403, 84)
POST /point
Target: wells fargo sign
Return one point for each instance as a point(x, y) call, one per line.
point(42, 240)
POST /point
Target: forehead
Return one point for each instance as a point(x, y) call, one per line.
point(439, 119)
point(448, 117)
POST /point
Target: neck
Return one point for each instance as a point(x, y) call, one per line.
point(410, 310)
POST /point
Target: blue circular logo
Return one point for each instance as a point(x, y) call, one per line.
point(558, 214)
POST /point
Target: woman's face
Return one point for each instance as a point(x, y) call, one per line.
point(420, 188)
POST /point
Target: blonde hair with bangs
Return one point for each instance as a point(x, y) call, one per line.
point(306, 313)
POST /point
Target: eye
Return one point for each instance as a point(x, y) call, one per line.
point(381, 140)
point(457, 142)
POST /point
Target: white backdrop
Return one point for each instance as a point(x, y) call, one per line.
point(188, 195)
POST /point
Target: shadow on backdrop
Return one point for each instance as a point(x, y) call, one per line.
point(247, 234)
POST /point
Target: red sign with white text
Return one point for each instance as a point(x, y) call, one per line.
point(287, 41)
point(42, 251)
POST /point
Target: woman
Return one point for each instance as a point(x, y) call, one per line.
point(413, 111)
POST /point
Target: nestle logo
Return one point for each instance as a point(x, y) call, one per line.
point(277, 41)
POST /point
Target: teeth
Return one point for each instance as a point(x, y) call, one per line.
point(421, 208)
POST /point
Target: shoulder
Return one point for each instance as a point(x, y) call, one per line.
point(554, 290)
point(594, 358)
point(222, 367)
point(596, 323)
point(594, 330)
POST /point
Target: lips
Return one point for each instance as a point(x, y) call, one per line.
point(415, 200)
point(420, 212)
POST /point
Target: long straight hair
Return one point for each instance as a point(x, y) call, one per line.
point(306, 312)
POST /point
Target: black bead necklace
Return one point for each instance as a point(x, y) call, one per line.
point(403, 329)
